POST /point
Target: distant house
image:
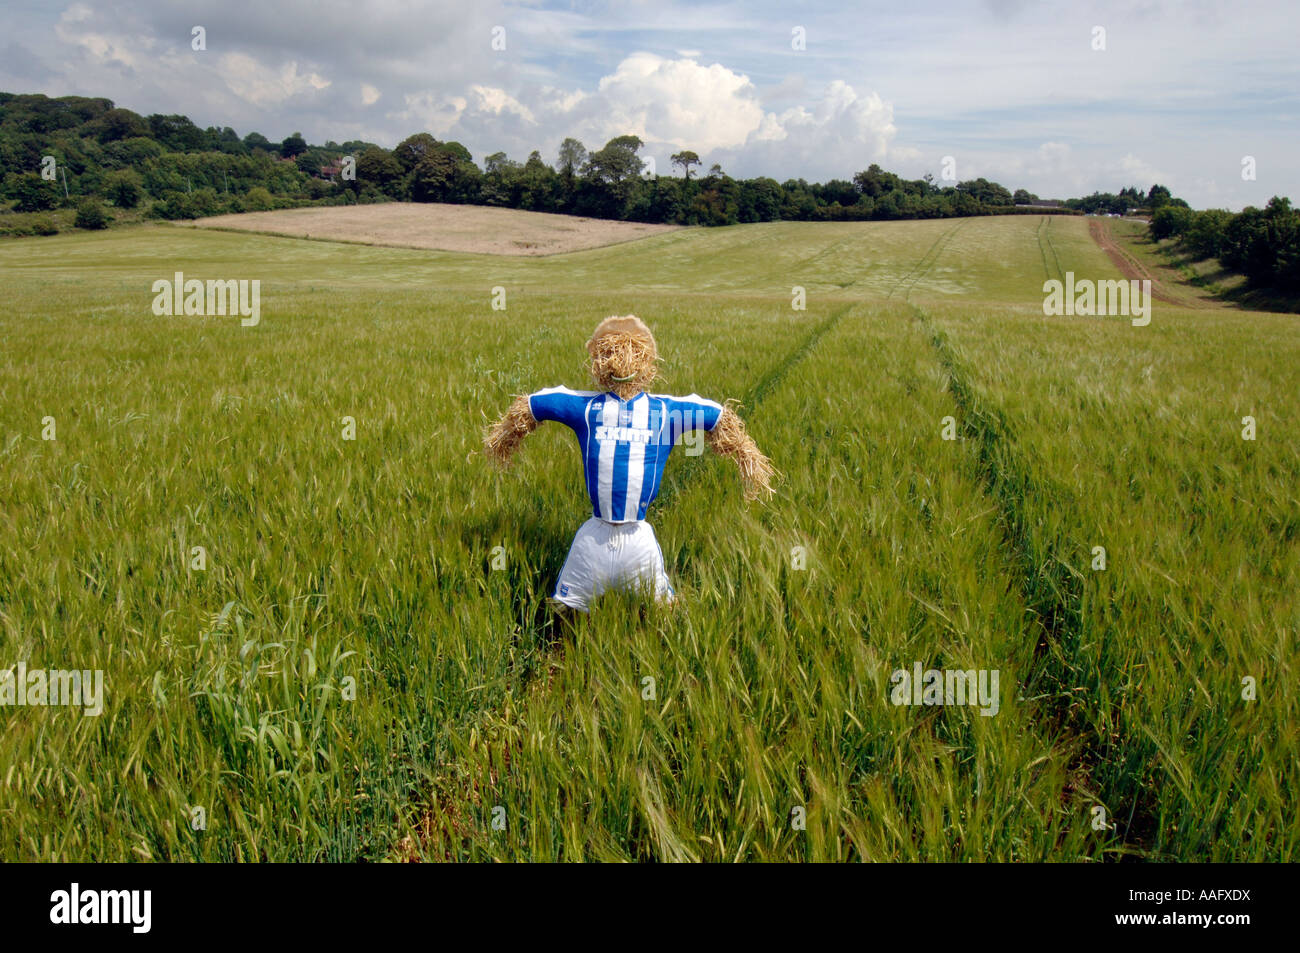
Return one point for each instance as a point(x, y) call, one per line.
point(329, 171)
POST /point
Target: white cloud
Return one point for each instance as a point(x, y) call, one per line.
point(369, 95)
point(1132, 170)
point(76, 26)
point(843, 132)
point(498, 101)
point(677, 102)
point(77, 13)
point(430, 112)
point(262, 85)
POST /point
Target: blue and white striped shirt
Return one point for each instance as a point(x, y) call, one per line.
point(624, 443)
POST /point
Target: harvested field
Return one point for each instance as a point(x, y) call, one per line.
point(462, 228)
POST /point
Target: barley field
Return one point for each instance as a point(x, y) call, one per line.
point(321, 616)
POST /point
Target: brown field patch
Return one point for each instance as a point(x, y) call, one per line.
point(462, 228)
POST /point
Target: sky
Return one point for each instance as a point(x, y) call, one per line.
point(1062, 99)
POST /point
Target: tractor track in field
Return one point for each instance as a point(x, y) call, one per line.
point(764, 386)
point(926, 262)
point(821, 254)
point(1051, 589)
point(1043, 233)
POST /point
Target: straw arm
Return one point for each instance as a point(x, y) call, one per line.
point(730, 439)
point(504, 437)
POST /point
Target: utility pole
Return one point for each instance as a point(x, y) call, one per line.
point(65, 181)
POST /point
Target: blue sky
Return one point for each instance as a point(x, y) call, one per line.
point(1029, 94)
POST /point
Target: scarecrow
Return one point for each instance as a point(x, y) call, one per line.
point(625, 435)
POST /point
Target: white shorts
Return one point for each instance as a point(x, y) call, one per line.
point(612, 556)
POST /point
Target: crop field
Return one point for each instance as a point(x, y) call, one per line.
point(465, 228)
point(321, 616)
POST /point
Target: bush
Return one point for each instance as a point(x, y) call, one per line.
point(259, 199)
point(124, 188)
point(203, 202)
point(172, 206)
point(1205, 238)
point(33, 193)
point(90, 215)
point(1170, 221)
point(319, 189)
point(24, 226)
point(1264, 244)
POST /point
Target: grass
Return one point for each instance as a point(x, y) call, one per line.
point(350, 678)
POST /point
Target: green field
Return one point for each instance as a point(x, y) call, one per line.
point(351, 677)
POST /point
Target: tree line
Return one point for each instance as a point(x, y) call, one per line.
point(1263, 244)
point(169, 167)
point(73, 151)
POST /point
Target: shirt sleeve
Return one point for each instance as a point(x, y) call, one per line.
point(692, 412)
point(559, 404)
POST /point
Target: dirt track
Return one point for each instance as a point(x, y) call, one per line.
point(1129, 267)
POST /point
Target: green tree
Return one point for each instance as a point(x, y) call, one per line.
point(1158, 196)
point(539, 186)
point(378, 167)
point(293, 146)
point(613, 173)
point(412, 149)
point(119, 124)
point(1264, 244)
point(573, 156)
point(439, 177)
point(176, 132)
point(259, 199)
point(501, 183)
point(760, 200)
point(875, 181)
point(986, 192)
point(124, 188)
point(686, 158)
point(132, 151)
point(33, 193)
point(1170, 221)
point(458, 152)
point(1208, 231)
